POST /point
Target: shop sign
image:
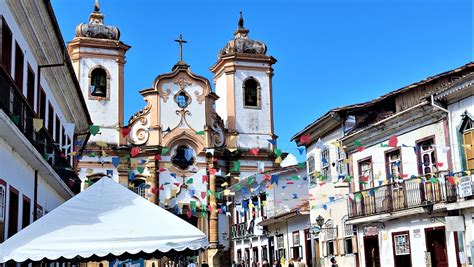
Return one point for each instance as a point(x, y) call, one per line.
point(465, 186)
point(416, 233)
point(454, 223)
point(371, 231)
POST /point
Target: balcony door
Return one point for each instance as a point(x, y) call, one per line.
point(401, 249)
point(436, 246)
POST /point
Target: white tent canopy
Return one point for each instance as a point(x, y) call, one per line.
point(105, 219)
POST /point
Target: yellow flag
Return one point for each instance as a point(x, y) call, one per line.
point(278, 160)
point(224, 184)
point(37, 124)
point(73, 153)
point(468, 172)
point(346, 161)
point(89, 171)
point(104, 154)
point(232, 149)
point(226, 192)
point(336, 144)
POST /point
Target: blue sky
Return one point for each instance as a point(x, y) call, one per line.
point(330, 53)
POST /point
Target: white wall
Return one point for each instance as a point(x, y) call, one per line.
point(17, 173)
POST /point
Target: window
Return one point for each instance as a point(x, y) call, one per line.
point(467, 131)
point(39, 212)
point(2, 203)
point(98, 83)
point(13, 212)
point(311, 167)
point(342, 169)
point(251, 93)
point(349, 235)
point(365, 173)
point(30, 86)
point(401, 243)
point(182, 99)
point(6, 43)
point(427, 157)
point(41, 104)
point(26, 212)
point(57, 130)
point(325, 169)
point(394, 164)
point(330, 247)
point(50, 119)
point(183, 157)
point(19, 61)
point(296, 238)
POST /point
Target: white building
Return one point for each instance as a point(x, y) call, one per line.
point(42, 115)
point(267, 208)
point(403, 196)
point(458, 98)
point(328, 170)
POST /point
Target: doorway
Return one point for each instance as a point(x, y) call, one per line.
point(401, 249)
point(371, 251)
point(316, 252)
point(13, 212)
point(436, 246)
point(307, 245)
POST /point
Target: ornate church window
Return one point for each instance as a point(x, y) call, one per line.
point(98, 83)
point(182, 99)
point(183, 157)
point(251, 93)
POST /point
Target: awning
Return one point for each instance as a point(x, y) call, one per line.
point(105, 220)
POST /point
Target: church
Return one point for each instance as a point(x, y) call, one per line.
point(192, 138)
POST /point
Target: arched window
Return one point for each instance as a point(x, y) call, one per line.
point(251, 93)
point(98, 82)
point(311, 166)
point(466, 130)
point(183, 157)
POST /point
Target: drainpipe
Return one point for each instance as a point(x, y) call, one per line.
point(447, 132)
point(436, 106)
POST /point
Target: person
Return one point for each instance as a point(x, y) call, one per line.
point(204, 264)
point(291, 263)
point(301, 262)
point(334, 262)
point(191, 264)
point(276, 263)
point(265, 263)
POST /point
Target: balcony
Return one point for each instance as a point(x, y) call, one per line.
point(15, 105)
point(141, 191)
point(242, 230)
point(410, 193)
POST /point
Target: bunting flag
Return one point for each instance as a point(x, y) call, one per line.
point(277, 152)
point(393, 141)
point(110, 173)
point(274, 179)
point(226, 192)
point(140, 169)
point(164, 151)
point(188, 154)
point(125, 131)
point(305, 139)
point(254, 151)
point(319, 144)
point(157, 157)
point(212, 171)
point(203, 195)
point(135, 151)
point(278, 160)
point(236, 167)
point(205, 179)
point(271, 141)
point(94, 129)
point(131, 175)
point(200, 133)
point(190, 181)
point(37, 124)
point(300, 150)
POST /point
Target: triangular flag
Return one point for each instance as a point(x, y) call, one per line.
point(115, 161)
point(305, 139)
point(203, 195)
point(393, 141)
point(236, 167)
point(164, 151)
point(94, 129)
point(126, 131)
point(190, 181)
point(277, 152)
point(135, 151)
point(200, 133)
point(205, 179)
point(254, 151)
point(15, 119)
point(271, 141)
point(140, 169)
point(37, 124)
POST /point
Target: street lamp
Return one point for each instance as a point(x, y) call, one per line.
point(320, 221)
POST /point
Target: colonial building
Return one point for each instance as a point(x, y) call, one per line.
point(328, 172)
point(42, 115)
point(268, 209)
point(187, 142)
point(408, 200)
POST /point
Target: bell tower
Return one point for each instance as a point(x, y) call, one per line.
point(98, 58)
point(243, 81)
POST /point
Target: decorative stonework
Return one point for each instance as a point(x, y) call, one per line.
point(199, 97)
point(96, 27)
point(218, 130)
point(140, 115)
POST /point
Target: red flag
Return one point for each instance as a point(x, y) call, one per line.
point(162, 187)
point(161, 169)
point(267, 177)
point(177, 184)
point(254, 151)
point(154, 190)
point(135, 151)
point(205, 179)
point(212, 171)
point(125, 131)
point(305, 139)
point(203, 195)
point(393, 141)
point(451, 180)
point(361, 148)
point(439, 164)
point(157, 157)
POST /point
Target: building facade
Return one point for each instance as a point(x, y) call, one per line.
point(328, 171)
point(406, 198)
point(43, 117)
point(188, 142)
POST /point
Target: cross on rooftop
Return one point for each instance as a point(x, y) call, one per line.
point(181, 42)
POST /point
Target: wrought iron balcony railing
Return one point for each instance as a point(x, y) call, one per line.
point(15, 105)
point(410, 193)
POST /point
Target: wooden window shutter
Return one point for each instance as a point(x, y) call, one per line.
point(342, 246)
point(468, 140)
point(325, 250)
point(336, 247)
point(355, 248)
